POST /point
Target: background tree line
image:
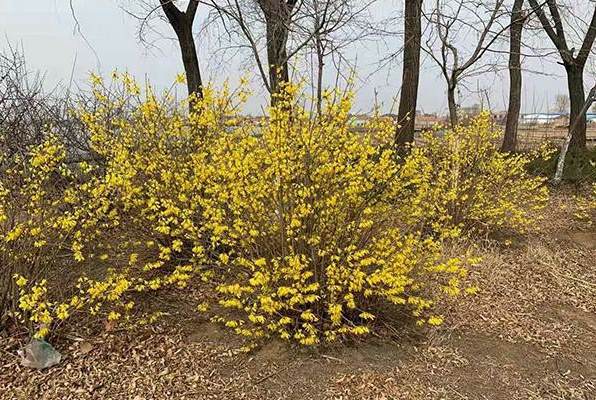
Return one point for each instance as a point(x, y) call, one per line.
point(462, 38)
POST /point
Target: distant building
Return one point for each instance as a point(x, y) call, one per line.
point(360, 120)
point(427, 121)
point(470, 111)
point(544, 118)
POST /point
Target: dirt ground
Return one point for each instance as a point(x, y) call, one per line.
point(529, 334)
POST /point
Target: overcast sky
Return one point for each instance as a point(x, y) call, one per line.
point(107, 40)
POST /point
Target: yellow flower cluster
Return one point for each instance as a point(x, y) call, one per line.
point(469, 185)
point(128, 221)
point(305, 227)
point(315, 230)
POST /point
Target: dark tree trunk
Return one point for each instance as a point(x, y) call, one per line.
point(515, 78)
point(190, 61)
point(182, 23)
point(577, 97)
point(574, 65)
point(453, 120)
point(320, 68)
point(277, 54)
point(411, 73)
point(278, 17)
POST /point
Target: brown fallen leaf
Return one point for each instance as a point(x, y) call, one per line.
point(85, 348)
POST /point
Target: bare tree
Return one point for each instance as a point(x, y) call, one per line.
point(463, 20)
point(285, 28)
point(278, 15)
point(329, 27)
point(561, 103)
point(565, 148)
point(254, 20)
point(182, 23)
point(515, 76)
point(574, 64)
point(321, 18)
point(411, 72)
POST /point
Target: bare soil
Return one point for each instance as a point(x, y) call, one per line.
point(529, 334)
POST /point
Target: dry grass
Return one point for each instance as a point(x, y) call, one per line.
point(530, 136)
point(529, 334)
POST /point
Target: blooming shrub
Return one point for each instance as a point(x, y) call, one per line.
point(314, 241)
point(32, 224)
point(305, 228)
point(467, 183)
point(123, 222)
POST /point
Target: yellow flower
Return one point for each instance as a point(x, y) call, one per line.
point(62, 312)
point(177, 245)
point(181, 78)
point(114, 316)
point(14, 234)
point(21, 281)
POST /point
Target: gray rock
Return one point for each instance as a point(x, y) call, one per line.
point(39, 354)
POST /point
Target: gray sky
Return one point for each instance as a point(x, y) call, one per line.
point(46, 31)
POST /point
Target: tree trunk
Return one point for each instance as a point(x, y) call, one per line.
point(574, 65)
point(577, 97)
point(452, 104)
point(320, 70)
point(277, 55)
point(182, 23)
point(515, 78)
point(190, 60)
point(404, 133)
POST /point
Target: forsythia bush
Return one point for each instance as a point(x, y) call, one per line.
point(305, 228)
point(312, 235)
point(123, 222)
point(34, 221)
point(470, 185)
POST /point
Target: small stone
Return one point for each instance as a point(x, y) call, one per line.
point(39, 354)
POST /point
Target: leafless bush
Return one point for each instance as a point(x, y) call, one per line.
point(29, 112)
